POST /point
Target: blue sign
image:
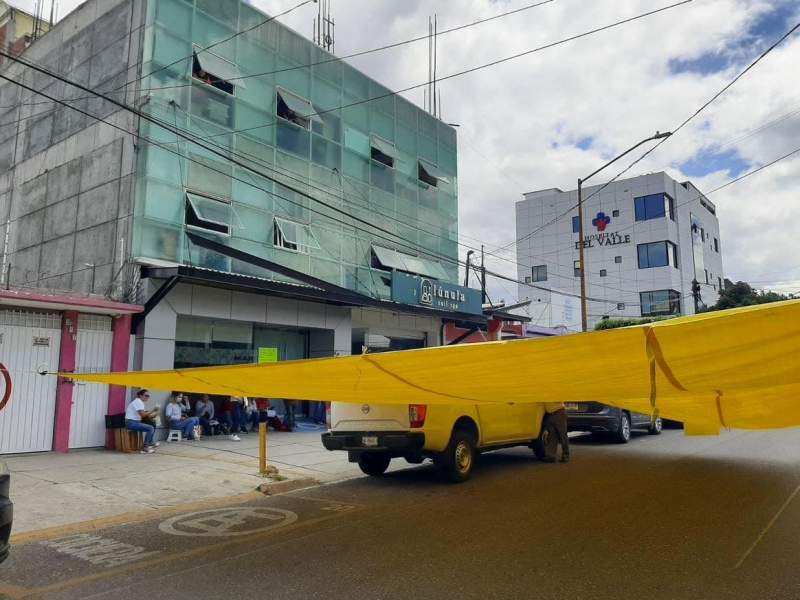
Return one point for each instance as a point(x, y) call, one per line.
point(435, 294)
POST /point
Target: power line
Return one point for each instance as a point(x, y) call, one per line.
point(320, 62)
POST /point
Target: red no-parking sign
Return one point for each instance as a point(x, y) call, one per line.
point(5, 386)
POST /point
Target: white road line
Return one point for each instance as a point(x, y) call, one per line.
point(768, 527)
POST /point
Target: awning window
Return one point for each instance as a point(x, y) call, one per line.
point(392, 259)
point(217, 71)
point(208, 214)
point(431, 175)
point(296, 109)
point(299, 237)
point(382, 151)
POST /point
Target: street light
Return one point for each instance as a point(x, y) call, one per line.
point(657, 136)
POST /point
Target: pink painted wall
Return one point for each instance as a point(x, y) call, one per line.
point(64, 388)
point(120, 348)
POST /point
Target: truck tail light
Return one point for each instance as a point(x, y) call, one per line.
point(417, 414)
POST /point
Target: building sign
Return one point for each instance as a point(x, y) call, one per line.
point(603, 237)
point(435, 294)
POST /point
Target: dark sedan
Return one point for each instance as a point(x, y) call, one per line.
point(6, 511)
point(600, 418)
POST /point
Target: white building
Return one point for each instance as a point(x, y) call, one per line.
point(646, 240)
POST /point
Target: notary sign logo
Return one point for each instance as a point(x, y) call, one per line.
point(603, 237)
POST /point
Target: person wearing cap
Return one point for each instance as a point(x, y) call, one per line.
point(133, 420)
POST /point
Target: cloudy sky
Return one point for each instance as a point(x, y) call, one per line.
point(542, 120)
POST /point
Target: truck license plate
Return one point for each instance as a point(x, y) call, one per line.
point(369, 441)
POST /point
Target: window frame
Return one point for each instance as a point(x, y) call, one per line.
point(301, 121)
point(670, 251)
point(536, 273)
point(576, 224)
point(651, 202)
point(280, 241)
point(576, 268)
point(603, 273)
point(190, 204)
point(673, 299)
point(216, 80)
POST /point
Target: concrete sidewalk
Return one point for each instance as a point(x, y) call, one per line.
point(54, 490)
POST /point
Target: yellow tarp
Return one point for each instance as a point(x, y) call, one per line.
point(736, 368)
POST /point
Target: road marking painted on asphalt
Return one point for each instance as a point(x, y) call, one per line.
point(98, 550)
point(338, 507)
point(768, 527)
point(226, 522)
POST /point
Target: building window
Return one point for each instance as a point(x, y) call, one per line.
point(576, 225)
point(657, 254)
point(539, 273)
point(527, 279)
point(719, 280)
point(620, 306)
point(297, 237)
point(615, 213)
point(706, 272)
point(430, 174)
point(216, 71)
point(295, 109)
point(618, 259)
point(382, 151)
point(703, 235)
point(576, 268)
point(208, 214)
point(654, 206)
point(716, 245)
point(660, 303)
point(603, 272)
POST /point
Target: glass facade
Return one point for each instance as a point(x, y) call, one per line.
point(302, 126)
point(657, 254)
point(654, 206)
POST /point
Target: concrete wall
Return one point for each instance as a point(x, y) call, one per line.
point(65, 178)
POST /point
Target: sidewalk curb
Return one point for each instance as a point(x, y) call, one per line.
point(290, 485)
point(264, 489)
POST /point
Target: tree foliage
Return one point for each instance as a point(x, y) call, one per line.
point(614, 323)
point(741, 294)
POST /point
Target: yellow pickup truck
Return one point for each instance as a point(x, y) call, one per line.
point(373, 434)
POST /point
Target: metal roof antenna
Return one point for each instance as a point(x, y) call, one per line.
point(325, 26)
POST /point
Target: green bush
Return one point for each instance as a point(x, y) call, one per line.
point(614, 323)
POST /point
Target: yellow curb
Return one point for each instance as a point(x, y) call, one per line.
point(38, 535)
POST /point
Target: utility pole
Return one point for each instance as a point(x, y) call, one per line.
point(483, 278)
point(584, 316)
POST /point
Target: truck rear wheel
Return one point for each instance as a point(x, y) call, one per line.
point(374, 464)
point(456, 462)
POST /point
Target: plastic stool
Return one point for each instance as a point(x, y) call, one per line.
point(174, 435)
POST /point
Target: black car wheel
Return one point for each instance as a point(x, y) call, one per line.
point(624, 431)
point(456, 462)
point(656, 426)
point(545, 447)
point(374, 464)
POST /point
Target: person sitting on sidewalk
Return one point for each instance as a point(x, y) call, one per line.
point(133, 420)
point(231, 416)
point(204, 411)
point(251, 416)
point(176, 420)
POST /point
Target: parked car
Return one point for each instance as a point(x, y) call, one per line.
point(373, 434)
point(600, 418)
point(6, 511)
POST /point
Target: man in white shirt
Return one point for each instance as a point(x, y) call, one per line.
point(176, 419)
point(133, 419)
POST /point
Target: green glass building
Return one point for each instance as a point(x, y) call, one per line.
point(307, 123)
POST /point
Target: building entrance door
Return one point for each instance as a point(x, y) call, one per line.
point(90, 401)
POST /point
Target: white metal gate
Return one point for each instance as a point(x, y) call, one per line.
point(90, 400)
point(28, 341)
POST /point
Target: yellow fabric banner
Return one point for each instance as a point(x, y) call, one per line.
point(737, 368)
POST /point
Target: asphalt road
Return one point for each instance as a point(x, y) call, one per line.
point(663, 517)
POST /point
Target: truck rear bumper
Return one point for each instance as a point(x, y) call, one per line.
point(398, 443)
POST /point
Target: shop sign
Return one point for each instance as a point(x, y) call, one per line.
point(435, 294)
